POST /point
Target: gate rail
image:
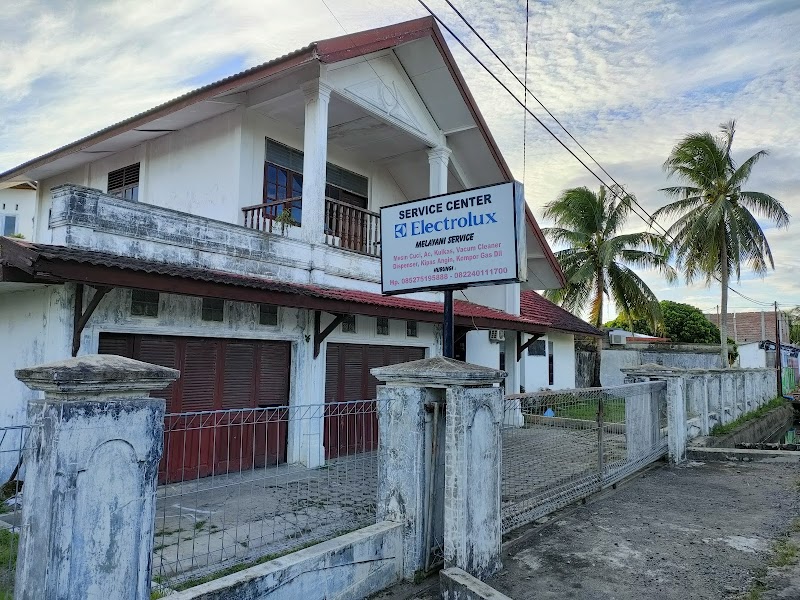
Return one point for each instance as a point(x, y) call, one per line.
point(562, 446)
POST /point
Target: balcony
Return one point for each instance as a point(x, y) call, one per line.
point(346, 226)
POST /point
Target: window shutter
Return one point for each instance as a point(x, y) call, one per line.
point(123, 177)
point(160, 351)
point(332, 373)
point(199, 375)
point(237, 387)
point(121, 345)
point(347, 180)
point(274, 372)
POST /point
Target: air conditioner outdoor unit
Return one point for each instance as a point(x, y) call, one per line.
point(618, 339)
point(497, 335)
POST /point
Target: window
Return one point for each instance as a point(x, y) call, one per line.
point(550, 365)
point(349, 324)
point(144, 303)
point(213, 309)
point(383, 326)
point(124, 183)
point(411, 329)
point(537, 348)
point(8, 224)
point(283, 178)
point(267, 314)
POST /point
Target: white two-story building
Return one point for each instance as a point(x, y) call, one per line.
point(233, 233)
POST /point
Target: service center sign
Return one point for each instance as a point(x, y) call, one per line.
point(456, 240)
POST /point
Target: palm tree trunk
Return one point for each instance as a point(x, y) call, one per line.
point(598, 322)
point(723, 318)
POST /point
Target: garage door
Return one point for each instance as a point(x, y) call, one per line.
point(351, 423)
point(213, 424)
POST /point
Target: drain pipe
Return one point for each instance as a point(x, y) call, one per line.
point(429, 487)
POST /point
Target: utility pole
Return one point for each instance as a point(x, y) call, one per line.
point(778, 365)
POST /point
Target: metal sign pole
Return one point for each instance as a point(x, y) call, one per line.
point(448, 350)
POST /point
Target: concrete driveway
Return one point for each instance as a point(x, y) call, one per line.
point(697, 531)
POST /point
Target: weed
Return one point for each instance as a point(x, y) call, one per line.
point(785, 553)
point(199, 525)
point(795, 528)
point(163, 532)
point(719, 430)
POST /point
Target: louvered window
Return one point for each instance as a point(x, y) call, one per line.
point(213, 309)
point(382, 326)
point(124, 183)
point(144, 303)
point(283, 178)
point(267, 314)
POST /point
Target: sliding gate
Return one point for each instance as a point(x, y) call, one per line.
point(559, 447)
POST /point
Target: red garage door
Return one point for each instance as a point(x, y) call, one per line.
point(351, 423)
point(214, 423)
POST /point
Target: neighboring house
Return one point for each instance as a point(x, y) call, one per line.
point(760, 354)
point(747, 327)
point(549, 360)
point(233, 233)
point(17, 208)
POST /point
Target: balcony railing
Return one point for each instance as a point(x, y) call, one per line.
point(346, 226)
point(272, 216)
point(352, 228)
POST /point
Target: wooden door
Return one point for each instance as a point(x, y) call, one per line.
point(226, 412)
point(351, 420)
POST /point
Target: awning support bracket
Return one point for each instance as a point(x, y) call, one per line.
point(319, 336)
point(81, 317)
point(522, 347)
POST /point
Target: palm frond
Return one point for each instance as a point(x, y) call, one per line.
point(766, 206)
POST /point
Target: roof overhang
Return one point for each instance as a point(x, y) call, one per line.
point(23, 262)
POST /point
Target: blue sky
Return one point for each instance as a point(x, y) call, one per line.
point(627, 78)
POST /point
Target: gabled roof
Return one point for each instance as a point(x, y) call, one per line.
point(203, 103)
point(535, 307)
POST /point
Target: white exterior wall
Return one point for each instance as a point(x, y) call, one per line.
point(752, 357)
point(44, 202)
point(536, 370)
point(22, 205)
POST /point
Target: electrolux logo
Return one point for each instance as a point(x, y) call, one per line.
point(448, 224)
point(400, 230)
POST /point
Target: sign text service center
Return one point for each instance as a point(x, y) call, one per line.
point(455, 240)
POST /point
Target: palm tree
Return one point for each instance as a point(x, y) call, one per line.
point(715, 231)
point(598, 259)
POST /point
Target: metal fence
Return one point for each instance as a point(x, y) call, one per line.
point(241, 486)
point(12, 446)
point(559, 447)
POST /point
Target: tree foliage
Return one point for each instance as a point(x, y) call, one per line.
point(599, 261)
point(683, 323)
point(715, 231)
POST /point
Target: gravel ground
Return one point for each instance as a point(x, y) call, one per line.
point(697, 531)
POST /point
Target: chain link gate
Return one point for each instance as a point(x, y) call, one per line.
point(562, 446)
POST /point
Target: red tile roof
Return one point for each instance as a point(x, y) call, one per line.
point(54, 264)
point(535, 307)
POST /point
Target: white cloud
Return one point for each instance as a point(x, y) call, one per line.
point(627, 78)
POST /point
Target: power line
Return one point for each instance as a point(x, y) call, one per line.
point(525, 112)
point(650, 221)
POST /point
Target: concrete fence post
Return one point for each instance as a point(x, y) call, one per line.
point(676, 418)
point(91, 465)
point(459, 507)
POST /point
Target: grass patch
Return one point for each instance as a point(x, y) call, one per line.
point(9, 544)
point(613, 412)
point(719, 430)
point(199, 525)
point(785, 553)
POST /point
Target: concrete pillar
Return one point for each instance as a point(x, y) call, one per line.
point(468, 494)
point(472, 520)
point(90, 478)
point(306, 418)
point(705, 404)
point(315, 155)
point(438, 160)
point(676, 418)
point(641, 424)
